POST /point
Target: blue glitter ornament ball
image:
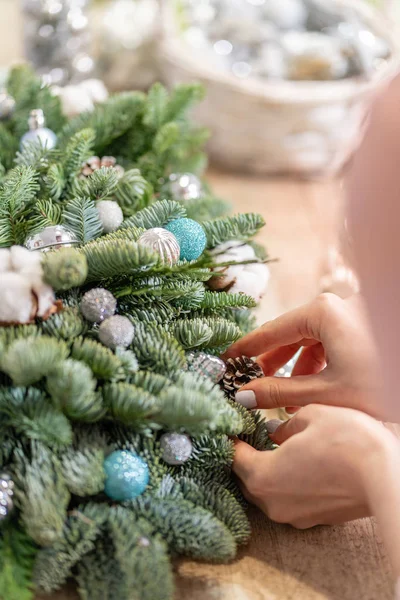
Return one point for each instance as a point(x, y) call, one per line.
point(127, 475)
point(191, 237)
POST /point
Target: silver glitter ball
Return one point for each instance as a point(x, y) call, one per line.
point(7, 106)
point(206, 365)
point(38, 132)
point(51, 238)
point(176, 448)
point(110, 214)
point(98, 304)
point(6, 494)
point(185, 186)
point(116, 332)
point(163, 242)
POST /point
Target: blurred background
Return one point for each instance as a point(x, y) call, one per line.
point(289, 83)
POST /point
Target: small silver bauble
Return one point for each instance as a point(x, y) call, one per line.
point(116, 332)
point(51, 238)
point(98, 304)
point(110, 214)
point(176, 448)
point(206, 365)
point(163, 242)
point(7, 106)
point(38, 132)
point(185, 186)
point(6, 494)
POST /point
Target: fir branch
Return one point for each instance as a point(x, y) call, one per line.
point(101, 184)
point(8, 335)
point(17, 556)
point(156, 106)
point(27, 361)
point(166, 137)
point(73, 390)
point(45, 213)
point(101, 360)
point(142, 556)
point(35, 155)
point(188, 529)
point(217, 300)
point(153, 383)
point(99, 575)
point(239, 227)
point(82, 463)
point(18, 190)
point(258, 438)
point(156, 350)
point(191, 333)
point(158, 214)
point(41, 495)
point(54, 565)
point(224, 332)
point(182, 98)
point(206, 208)
point(66, 325)
point(78, 150)
point(130, 405)
point(8, 147)
point(82, 218)
point(112, 258)
point(133, 192)
point(55, 181)
point(31, 415)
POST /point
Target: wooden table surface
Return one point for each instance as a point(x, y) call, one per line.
point(336, 563)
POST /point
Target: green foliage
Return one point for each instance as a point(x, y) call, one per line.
point(78, 150)
point(188, 529)
point(239, 227)
point(82, 463)
point(217, 300)
point(42, 495)
point(156, 350)
point(133, 192)
point(27, 361)
point(17, 192)
point(17, 555)
point(54, 565)
point(45, 213)
point(101, 184)
point(259, 437)
point(82, 218)
point(99, 574)
point(102, 361)
point(158, 214)
point(65, 325)
point(129, 404)
point(73, 390)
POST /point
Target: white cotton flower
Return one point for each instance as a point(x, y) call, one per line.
point(250, 279)
point(23, 295)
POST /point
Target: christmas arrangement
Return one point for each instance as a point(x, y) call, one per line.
point(122, 283)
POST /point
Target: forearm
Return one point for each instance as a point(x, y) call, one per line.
point(382, 480)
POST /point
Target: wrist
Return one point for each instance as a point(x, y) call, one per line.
point(380, 466)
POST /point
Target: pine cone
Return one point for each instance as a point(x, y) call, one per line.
point(94, 162)
point(239, 371)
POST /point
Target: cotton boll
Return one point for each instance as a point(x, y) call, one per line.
point(75, 100)
point(251, 280)
point(5, 260)
point(45, 298)
point(17, 303)
point(23, 259)
point(96, 89)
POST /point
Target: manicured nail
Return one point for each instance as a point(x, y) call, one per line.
point(272, 425)
point(247, 398)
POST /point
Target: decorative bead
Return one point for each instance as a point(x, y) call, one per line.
point(38, 132)
point(185, 186)
point(163, 242)
point(176, 448)
point(6, 494)
point(116, 332)
point(206, 365)
point(191, 237)
point(98, 304)
point(7, 106)
point(127, 475)
point(110, 214)
point(51, 238)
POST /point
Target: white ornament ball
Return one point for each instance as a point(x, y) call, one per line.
point(176, 448)
point(163, 242)
point(110, 214)
point(116, 332)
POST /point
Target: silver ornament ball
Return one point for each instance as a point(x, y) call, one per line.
point(38, 132)
point(176, 448)
point(185, 186)
point(116, 332)
point(206, 365)
point(6, 494)
point(51, 238)
point(110, 214)
point(7, 106)
point(163, 242)
point(98, 304)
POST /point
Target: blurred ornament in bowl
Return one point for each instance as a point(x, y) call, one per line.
point(81, 97)
point(126, 34)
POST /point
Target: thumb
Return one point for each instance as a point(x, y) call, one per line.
point(245, 460)
point(289, 428)
point(278, 392)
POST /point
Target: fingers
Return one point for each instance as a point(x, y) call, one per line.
point(293, 426)
point(245, 460)
point(279, 392)
point(295, 327)
point(311, 361)
point(273, 360)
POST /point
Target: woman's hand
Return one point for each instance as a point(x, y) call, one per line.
point(321, 472)
point(335, 335)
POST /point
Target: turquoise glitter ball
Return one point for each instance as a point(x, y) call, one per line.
point(127, 475)
point(191, 237)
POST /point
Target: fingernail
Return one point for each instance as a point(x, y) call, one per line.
point(272, 425)
point(246, 398)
